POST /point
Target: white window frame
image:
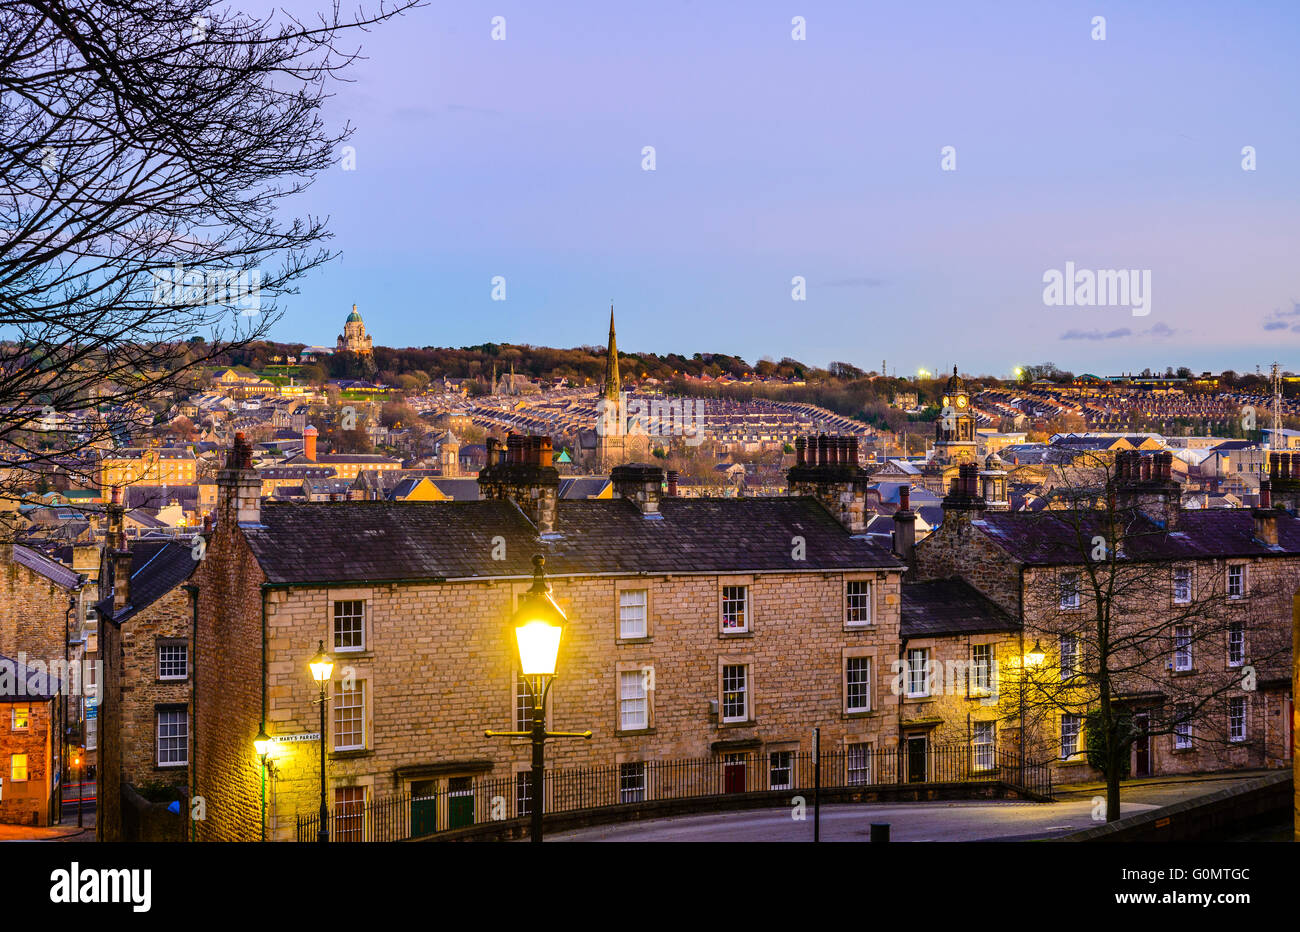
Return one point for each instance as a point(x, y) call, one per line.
point(863, 684)
point(184, 720)
point(633, 702)
point(27, 718)
point(184, 660)
point(743, 691)
point(1074, 732)
point(360, 628)
point(982, 745)
point(981, 669)
point(786, 764)
point(13, 768)
point(912, 671)
point(1070, 665)
point(858, 603)
point(1070, 596)
point(857, 763)
point(725, 600)
point(1182, 648)
point(1237, 640)
point(1237, 734)
point(1182, 585)
point(1240, 570)
point(628, 609)
point(359, 690)
point(1182, 731)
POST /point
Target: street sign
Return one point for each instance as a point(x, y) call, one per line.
point(288, 739)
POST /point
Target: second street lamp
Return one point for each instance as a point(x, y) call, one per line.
point(538, 623)
point(322, 667)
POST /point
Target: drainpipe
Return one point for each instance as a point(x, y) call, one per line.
point(262, 763)
point(193, 590)
point(902, 693)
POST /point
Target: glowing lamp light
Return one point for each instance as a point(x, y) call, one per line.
point(539, 644)
point(321, 665)
point(262, 743)
point(1035, 655)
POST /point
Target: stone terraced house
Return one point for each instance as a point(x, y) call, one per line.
point(697, 628)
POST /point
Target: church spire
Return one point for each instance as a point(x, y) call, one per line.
point(613, 385)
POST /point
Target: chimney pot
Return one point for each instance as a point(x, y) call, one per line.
point(800, 448)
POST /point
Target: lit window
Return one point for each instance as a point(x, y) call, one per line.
point(918, 669)
point(857, 603)
point(1183, 584)
point(632, 613)
point(1236, 581)
point(350, 625)
point(735, 605)
point(981, 669)
point(1236, 644)
point(1070, 727)
point(982, 740)
point(1237, 718)
point(631, 782)
point(18, 767)
point(349, 813)
point(173, 738)
point(857, 684)
point(632, 705)
point(173, 661)
point(1069, 594)
point(858, 764)
point(735, 693)
point(22, 717)
point(1182, 647)
point(780, 770)
point(349, 718)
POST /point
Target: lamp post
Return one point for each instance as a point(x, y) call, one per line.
point(81, 788)
point(538, 624)
point(262, 745)
point(321, 669)
point(1032, 658)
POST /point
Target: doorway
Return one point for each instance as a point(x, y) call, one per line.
point(424, 808)
point(733, 773)
point(916, 758)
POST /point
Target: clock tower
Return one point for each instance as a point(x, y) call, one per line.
point(955, 429)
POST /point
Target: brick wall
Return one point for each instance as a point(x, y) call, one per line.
point(27, 802)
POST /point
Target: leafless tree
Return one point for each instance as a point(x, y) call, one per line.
point(1142, 634)
point(150, 151)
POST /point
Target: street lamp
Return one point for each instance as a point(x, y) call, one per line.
point(321, 669)
point(538, 623)
point(1034, 656)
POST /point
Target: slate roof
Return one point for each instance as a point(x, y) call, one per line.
point(325, 542)
point(157, 567)
point(51, 569)
point(950, 606)
point(461, 490)
point(1048, 538)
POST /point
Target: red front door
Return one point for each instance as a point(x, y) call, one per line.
point(733, 773)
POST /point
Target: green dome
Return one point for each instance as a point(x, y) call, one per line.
point(354, 317)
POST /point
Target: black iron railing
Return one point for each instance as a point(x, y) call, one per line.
point(465, 801)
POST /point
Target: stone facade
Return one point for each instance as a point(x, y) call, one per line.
point(28, 801)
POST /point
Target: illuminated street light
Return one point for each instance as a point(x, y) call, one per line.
point(321, 668)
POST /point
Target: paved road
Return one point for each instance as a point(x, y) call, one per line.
point(965, 820)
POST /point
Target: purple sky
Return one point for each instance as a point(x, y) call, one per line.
point(821, 158)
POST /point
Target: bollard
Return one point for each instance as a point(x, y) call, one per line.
point(879, 832)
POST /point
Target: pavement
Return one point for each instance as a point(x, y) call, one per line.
point(957, 820)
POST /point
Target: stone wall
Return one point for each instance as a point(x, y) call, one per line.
point(27, 802)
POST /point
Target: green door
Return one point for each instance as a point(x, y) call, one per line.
point(424, 808)
point(460, 801)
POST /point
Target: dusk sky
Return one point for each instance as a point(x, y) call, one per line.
point(821, 158)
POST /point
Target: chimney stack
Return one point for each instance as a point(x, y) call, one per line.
point(239, 490)
point(116, 552)
point(309, 443)
point(672, 483)
point(640, 484)
point(829, 471)
point(526, 477)
point(1145, 483)
point(905, 525)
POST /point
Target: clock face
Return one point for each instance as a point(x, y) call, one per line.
point(945, 401)
point(961, 401)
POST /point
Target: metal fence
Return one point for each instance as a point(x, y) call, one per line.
point(460, 802)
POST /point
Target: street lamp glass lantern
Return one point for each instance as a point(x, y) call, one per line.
point(321, 666)
point(262, 743)
point(1035, 655)
point(539, 644)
